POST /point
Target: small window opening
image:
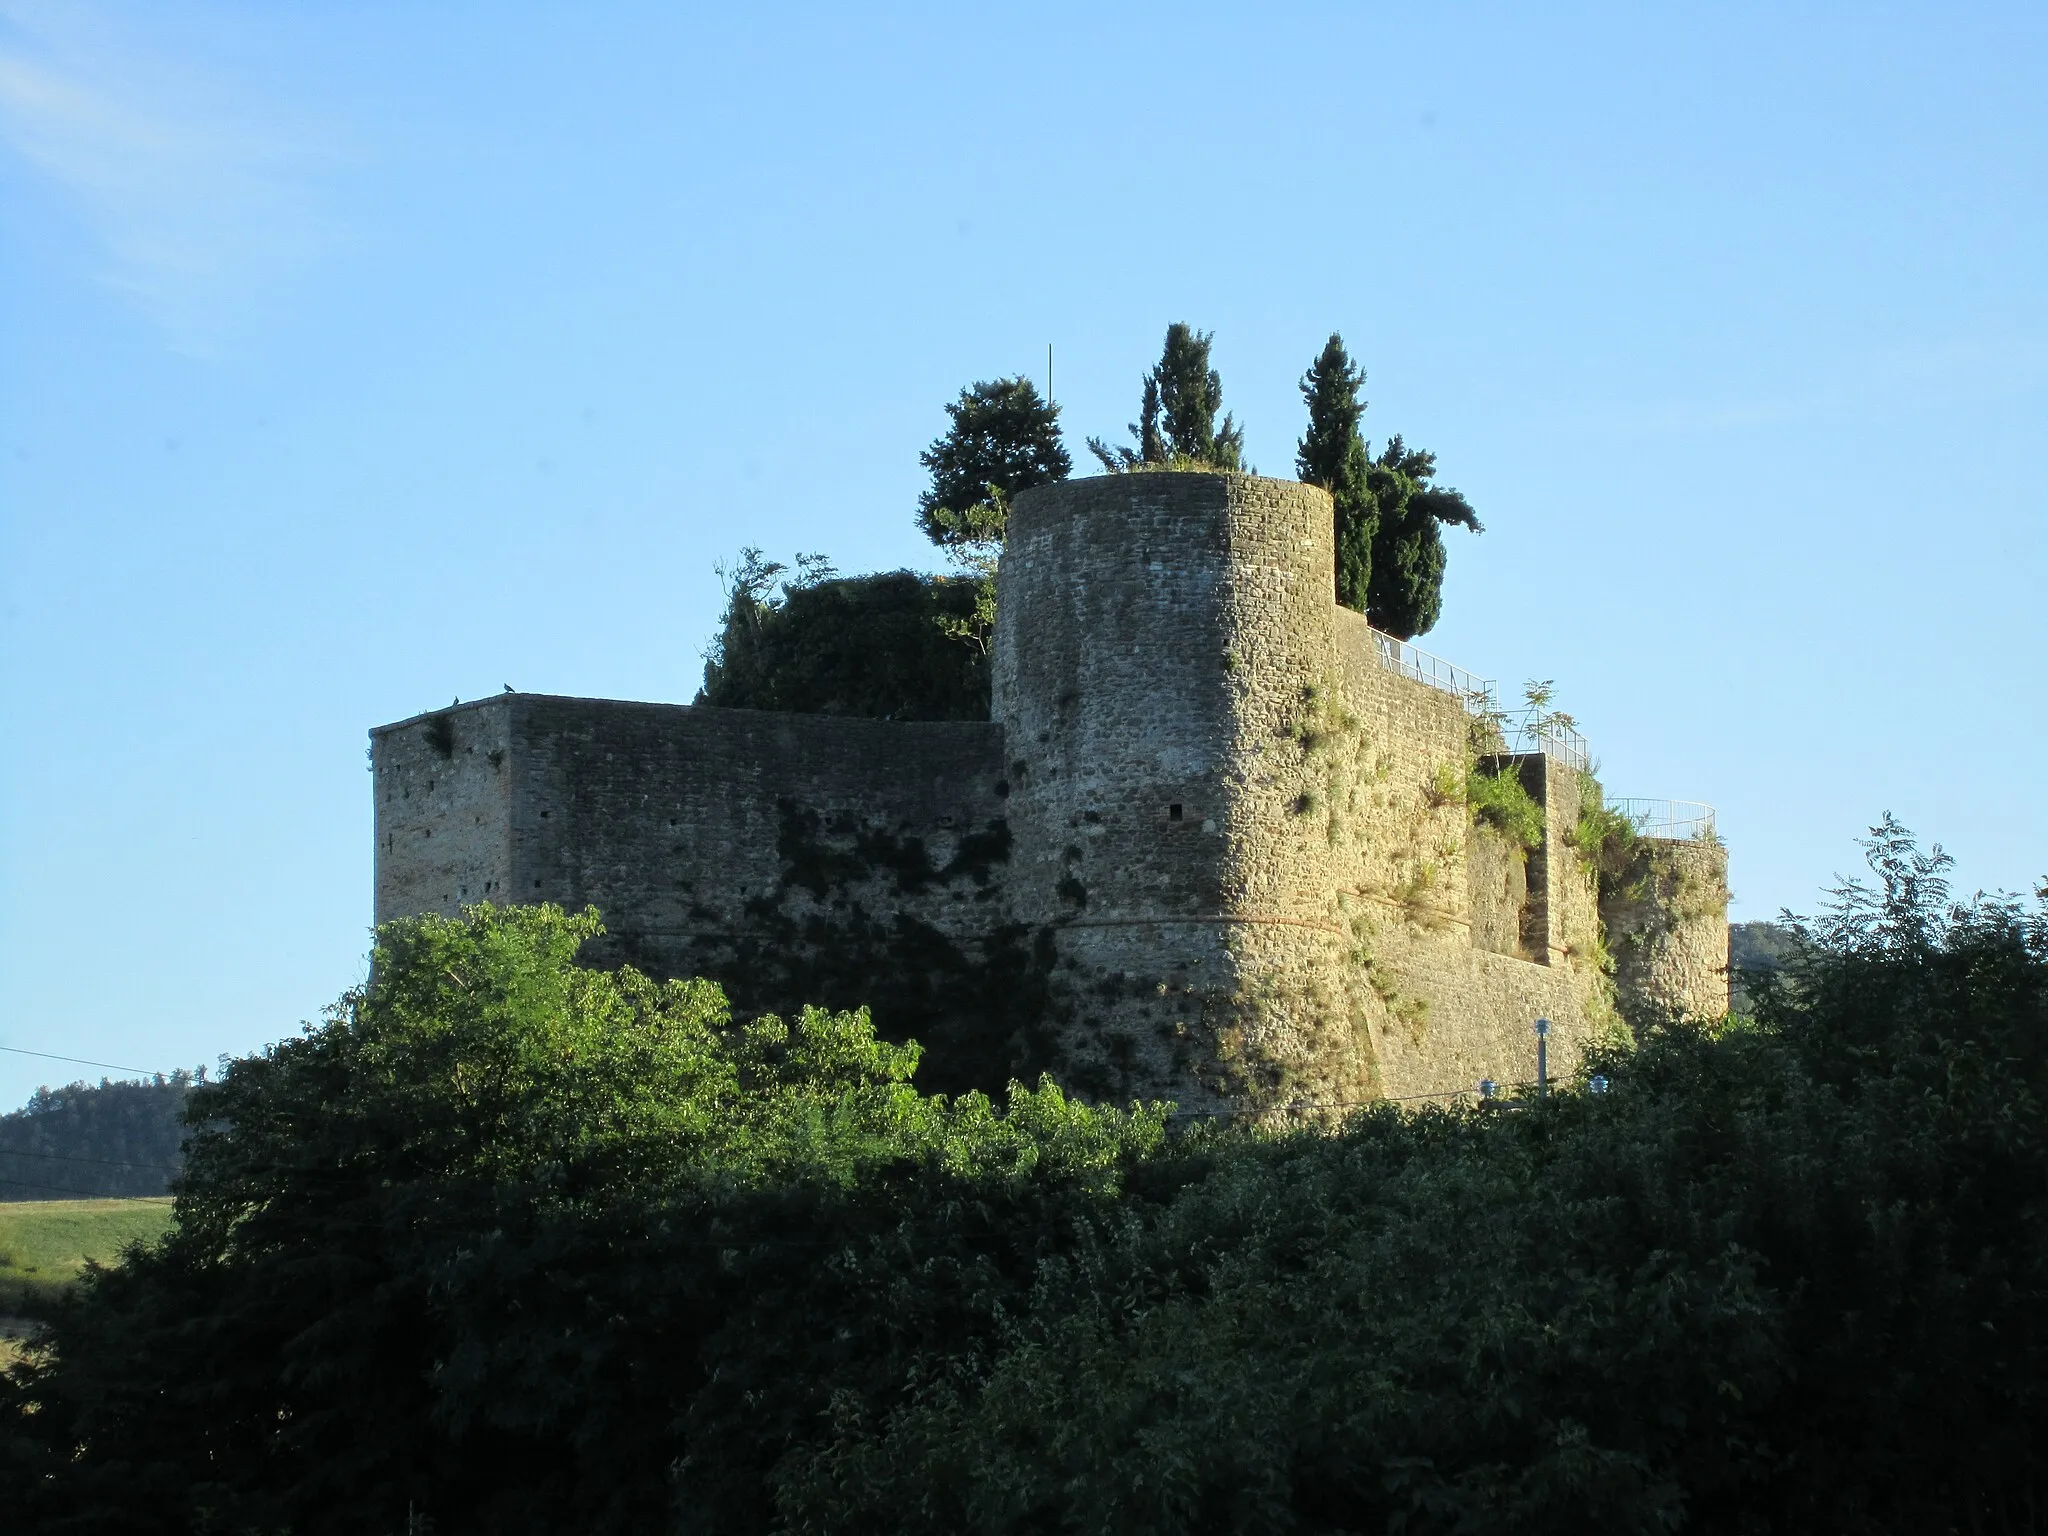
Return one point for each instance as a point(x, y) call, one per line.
point(1173, 812)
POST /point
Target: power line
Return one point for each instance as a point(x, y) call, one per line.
point(69, 1157)
point(112, 1066)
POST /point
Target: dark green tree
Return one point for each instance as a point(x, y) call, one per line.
point(1005, 438)
point(885, 646)
point(1333, 455)
point(1405, 593)
point(1176, 425)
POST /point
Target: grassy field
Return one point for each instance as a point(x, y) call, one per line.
point(45, 1243)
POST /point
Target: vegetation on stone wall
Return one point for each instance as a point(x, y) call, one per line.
point(1500, 800)
point(1603, 836)
point(885, 647)
point(905, 646)
point(1333, 454)
point(512, 1245)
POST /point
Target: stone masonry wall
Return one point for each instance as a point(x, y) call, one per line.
point(443, 811)
point(794, 858)
point(1666, 919)
point(1447, 1007)
point(1161, 641)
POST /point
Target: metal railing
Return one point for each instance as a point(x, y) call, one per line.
point(1416, 664)
point(1531, 731)
point(1535, 731)
point(1676, 820)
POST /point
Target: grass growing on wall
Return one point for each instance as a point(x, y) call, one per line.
point(1500, 800)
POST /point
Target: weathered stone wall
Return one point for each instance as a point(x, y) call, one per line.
point(1497, 878)
point(1162, 650)
point(794, 858)
point(1666, 921)
point(1455, 980)
point(443, 811)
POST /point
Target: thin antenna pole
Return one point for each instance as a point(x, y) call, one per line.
point(1048, 373)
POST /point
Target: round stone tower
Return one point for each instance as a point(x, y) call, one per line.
point(1163, 663)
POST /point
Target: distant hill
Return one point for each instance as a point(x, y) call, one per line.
point(1754, 947)
point(82, 1141)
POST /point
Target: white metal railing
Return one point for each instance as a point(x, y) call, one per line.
point(1413, 662)
point(1677, 820)
point(1536, 731)
point(1532, 731)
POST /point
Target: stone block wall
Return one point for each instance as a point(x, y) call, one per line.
point(1666, 923)
point(443, 811)
point(794, 858)
point(1161, 660)
point(1463, 939)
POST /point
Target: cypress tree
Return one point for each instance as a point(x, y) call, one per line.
point(1190, 394)
point(1005, 438)
point(1333, 455)
point(1176, 424)
point(1405, 593)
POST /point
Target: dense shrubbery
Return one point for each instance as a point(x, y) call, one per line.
point(83, 1141)
point(897, 646)
point(517, 1246)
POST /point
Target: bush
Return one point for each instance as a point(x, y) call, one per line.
point(887, 647)
point(1500, 800)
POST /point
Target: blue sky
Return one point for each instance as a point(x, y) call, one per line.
point(357, 358)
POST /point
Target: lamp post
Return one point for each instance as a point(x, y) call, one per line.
point(1543, 1058)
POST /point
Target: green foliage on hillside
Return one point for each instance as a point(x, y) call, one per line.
point(1755, 949)
point(117, 1139)
point(46, 1244)
point(895, 646)
point(514, 1246)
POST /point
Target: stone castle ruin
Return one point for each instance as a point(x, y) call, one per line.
point(1214, 845)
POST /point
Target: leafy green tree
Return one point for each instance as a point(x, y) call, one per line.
point(1176, 425)
point(1405, 593)
point(508, 1242)
point(1004, 438)
point(1333, 454)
